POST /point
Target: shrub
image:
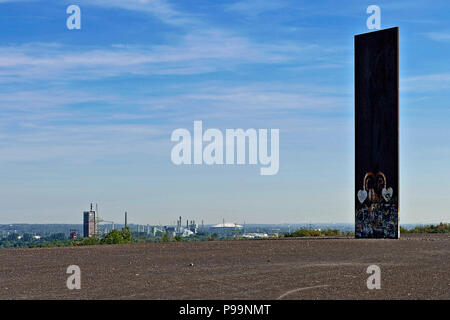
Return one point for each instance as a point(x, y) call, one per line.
point(90, 241)
point(165, 237)
point(113, 237)
point(303, 232)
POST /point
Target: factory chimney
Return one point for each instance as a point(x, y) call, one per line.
point(126, 224)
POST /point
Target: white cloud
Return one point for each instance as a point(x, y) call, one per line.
point(196, 53)
point(85, 143)
point(158, 8)
point(268, 98)
point(426, 83)
point(255, 7)
point(50, 99)
point(45, 125)
point(4, 1)
point(438, 36)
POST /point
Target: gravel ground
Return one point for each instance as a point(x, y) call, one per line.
point(414, 267)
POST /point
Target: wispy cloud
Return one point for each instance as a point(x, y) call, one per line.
point(81, 143)
point(255, 7)
point(426, 83)
point(44, 125)
point(196, 53)
point(4, 1)
point(438, 36)
point(160, 9)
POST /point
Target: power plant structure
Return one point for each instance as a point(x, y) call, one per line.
point(92, 220)
point(89, 223)
point(191, 228)
point(178, 230)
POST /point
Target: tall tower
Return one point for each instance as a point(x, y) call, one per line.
point(89, 224)
point(376, 134)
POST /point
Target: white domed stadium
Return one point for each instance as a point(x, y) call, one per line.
point(227, 226)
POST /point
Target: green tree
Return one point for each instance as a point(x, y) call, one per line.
point(56, 236)
point(165, 238)
point(113, 237)
point(12, 236)
point(27, 237)
point(126, 235)
point(403, 230)
point(303, 232)
point(90, 241)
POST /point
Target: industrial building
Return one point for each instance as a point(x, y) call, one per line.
point(190, 229)
point(89, 222)
point(73, 234)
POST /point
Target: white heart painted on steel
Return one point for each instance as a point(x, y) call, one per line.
point(362, 195)
point(387, 193)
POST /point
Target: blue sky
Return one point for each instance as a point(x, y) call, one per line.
point(86, 115)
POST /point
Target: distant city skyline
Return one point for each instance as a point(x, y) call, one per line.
point(86, 115)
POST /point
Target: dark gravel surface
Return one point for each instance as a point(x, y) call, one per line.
point(414, 267)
